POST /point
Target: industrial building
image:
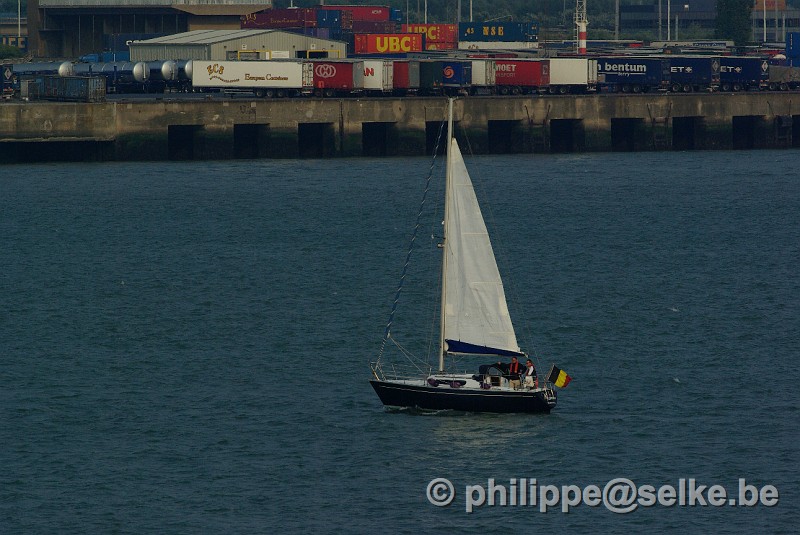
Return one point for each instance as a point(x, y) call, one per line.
point(771, 20)
point(71, 28)
point(235, 44)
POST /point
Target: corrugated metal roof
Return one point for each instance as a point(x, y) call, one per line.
point(219, 44)
point(204, 37)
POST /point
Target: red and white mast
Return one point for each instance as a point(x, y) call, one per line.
point(580, 26)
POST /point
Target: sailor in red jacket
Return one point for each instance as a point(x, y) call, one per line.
point(514, 372)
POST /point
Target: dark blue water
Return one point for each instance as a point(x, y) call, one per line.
point(184, 347)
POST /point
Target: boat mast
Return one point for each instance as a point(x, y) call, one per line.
point(445, 233)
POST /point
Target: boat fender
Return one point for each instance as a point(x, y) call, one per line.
point(486, 386)
point(455, 384)
point(432, 381)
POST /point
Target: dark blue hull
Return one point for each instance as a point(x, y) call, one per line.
point(468, 400)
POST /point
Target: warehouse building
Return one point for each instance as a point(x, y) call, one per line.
point(72, 28)
point(235, 44)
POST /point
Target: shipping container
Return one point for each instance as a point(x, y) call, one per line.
point(522, 76)
point(632, 74)
point(693, 73)
point(497, 45)
point(276, 78)
point(378, 76)
point(498, 31)
point(333, 78)
point(572, 75)
point(483, 76)
point(434, 33)
point(329, 18)
point(281, 18)
point(73, 88)
point(440, 46)
point(397, 43)
point(405, 76)
point(362, 13)
point(30, 87)
point(793, 45)
point(371, 26)
point(743, 73)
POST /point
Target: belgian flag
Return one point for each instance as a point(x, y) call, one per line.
point(558, 377)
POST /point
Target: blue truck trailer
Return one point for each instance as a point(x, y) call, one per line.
point(632, 74)
point(693, 73)
point(743, 73)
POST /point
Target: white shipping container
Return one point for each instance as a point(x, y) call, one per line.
point(378, 75)
point(567, 73)
point(497, 45)
point(483, 73)
point(265, 78)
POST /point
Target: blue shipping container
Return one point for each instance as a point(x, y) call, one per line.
point(793, 45)
point(632, 74)
point(498, 31)
point(329, 18)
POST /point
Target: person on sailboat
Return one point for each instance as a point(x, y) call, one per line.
point(514, 372)
point(531, 379)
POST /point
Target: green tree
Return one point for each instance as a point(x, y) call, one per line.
point(733, 20)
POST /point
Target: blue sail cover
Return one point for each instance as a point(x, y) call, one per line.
point(455, 346)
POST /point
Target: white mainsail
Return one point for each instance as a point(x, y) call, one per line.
point(475, 308)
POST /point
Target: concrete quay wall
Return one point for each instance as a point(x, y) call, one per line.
point(222, 128)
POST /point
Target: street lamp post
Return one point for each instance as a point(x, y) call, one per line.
point(669, 18)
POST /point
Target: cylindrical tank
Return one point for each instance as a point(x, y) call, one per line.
point(114, 71)
point(166, 71)
point(187, 69)
point(141, 72)
point(61, 68)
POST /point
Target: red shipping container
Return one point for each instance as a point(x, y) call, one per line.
point(406, 75)
point(434, 33)
point(523, 73)
point(371, 26)
point(440, 46)
point(281, 18)
point(388, 43)
point(360, 13)
point(339, 75)
point(347, 20)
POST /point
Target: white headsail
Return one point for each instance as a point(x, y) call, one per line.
point(476, 314)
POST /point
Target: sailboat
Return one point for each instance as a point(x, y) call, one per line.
point(474, 320)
